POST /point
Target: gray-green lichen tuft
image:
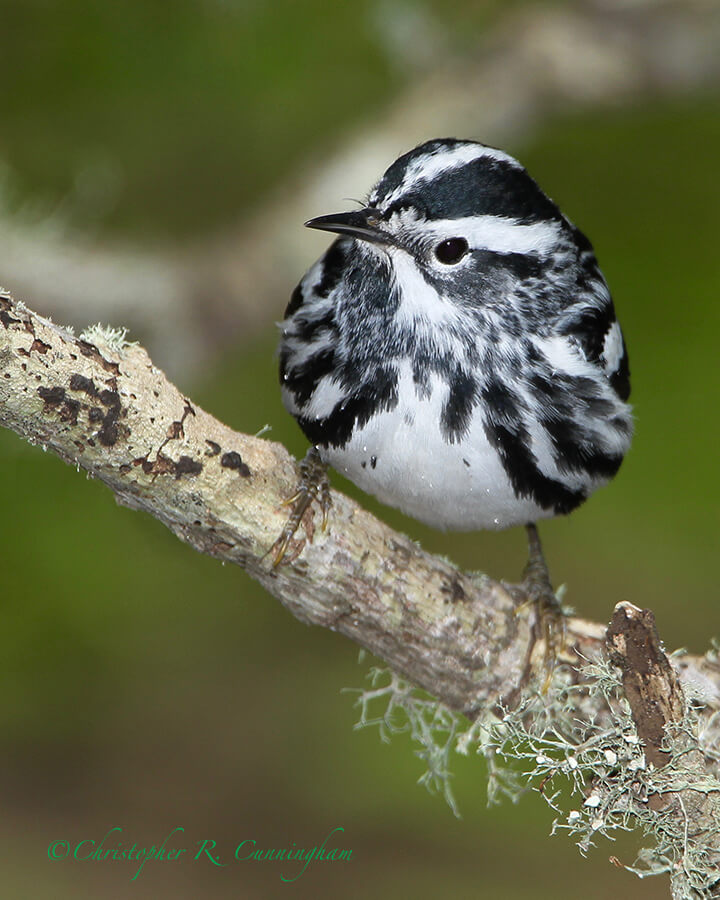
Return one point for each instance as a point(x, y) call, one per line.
point(107, 337)
point(402, 707)
point(578, 747)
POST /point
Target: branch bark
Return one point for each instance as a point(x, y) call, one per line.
point(464, 638)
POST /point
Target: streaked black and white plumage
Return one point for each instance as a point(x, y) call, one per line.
point(455, 352)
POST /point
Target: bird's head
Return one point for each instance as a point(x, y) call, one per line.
point(456, 207)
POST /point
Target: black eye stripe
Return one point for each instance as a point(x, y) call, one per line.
point(451, 251)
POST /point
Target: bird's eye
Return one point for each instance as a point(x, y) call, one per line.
point(451, 251)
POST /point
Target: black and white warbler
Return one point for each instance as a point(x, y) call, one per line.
point(455, 352)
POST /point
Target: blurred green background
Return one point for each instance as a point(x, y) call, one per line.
point(147, 687)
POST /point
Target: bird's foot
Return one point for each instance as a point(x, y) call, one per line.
point(550, 619)
point(312, 485)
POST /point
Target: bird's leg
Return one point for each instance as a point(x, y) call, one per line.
point(550, 623)
point(313, 485)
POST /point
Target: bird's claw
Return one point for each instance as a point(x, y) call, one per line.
point(313, 485)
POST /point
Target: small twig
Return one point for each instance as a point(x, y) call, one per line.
point(651, 685)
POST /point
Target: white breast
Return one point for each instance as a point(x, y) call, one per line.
point(403, 459)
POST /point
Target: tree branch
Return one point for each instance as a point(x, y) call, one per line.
point(101, 405)
point(109, 411)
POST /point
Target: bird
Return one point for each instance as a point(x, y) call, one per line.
point(456, 352)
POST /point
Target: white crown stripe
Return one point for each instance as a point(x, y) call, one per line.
point(430, 166)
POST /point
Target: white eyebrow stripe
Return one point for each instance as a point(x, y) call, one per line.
point(427, 167)
point(499, 234)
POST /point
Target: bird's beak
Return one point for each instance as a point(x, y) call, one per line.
point(362, 224)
